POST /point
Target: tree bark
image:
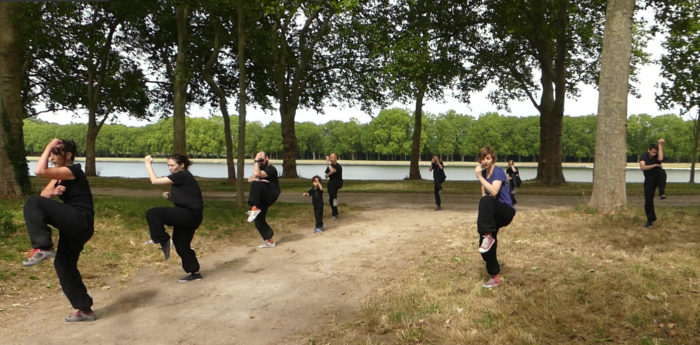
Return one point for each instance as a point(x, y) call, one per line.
point(551, 107)
point(242, 100)
point(181, 80)
point(609, 180)
point(14, 177)
point(289, 142)
point(223, 103)
point(549, 169)
point(694, 155)
point(414, 171)
point(97, 72)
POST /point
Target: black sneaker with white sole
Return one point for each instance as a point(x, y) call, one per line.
point(191, 277)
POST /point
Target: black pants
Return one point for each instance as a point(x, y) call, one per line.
point(333, 188)
point(650, 184)
point(74, 230)
point(318, 214)
point(437, 184)
point(493, 215)
point(263, 195)
point(184, 223)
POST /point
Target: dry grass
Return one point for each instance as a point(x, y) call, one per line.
point(569, 278)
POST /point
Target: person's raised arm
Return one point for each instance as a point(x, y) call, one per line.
point(491, 188)
point(661, 149)
point(148, 161)
point(56, 173)
point(331, 169)
point(258, 174)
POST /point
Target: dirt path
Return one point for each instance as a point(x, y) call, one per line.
point(263, 296)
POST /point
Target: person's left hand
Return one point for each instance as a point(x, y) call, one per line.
point(59, 190)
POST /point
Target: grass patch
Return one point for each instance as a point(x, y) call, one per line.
point(570, 277)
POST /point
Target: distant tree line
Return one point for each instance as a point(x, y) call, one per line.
point(453, 136)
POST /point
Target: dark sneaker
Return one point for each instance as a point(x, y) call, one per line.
point(438, 208)
point(663, 196)
point(165, 246)
point(191, 277)
point(81, 316)
point(38, 255)
point(648, 224)
point(486, 244)
point(492, 283)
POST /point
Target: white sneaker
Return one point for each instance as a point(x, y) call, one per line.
point(252, 214)
point(38, 255)
point(492, 283)
point(268, 244)
point(486, 244)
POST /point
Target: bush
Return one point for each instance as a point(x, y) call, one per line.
point(7, 225)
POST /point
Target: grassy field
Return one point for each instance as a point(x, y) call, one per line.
point(570, 277)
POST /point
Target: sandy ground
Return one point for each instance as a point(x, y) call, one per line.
point(253, 296)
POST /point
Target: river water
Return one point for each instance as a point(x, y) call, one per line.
point(136, 169)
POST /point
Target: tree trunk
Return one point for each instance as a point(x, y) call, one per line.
point(609, 180)
point(549, 170)
point(90, 143)
point(414, 171)
point(694, 155)
point(223, 104)
point(242, 100)
point(180, 83)
point(14, 178)
point(289, 142)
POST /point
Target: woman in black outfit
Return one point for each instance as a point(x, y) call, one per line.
point(74, 219)
point(185, 217)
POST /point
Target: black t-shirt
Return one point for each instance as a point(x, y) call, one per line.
point(185, 191)
point(337, 176)
point(316, 196)
point(513, 180)
point(651, 161)
point(438, 173)
point(78, 193)
point(272, 177)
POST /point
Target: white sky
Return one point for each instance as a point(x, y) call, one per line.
point(586, 104)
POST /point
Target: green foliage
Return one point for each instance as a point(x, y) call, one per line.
point(7, 225)
point(451, 135)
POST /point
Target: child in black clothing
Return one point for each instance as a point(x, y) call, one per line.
point(316, 194)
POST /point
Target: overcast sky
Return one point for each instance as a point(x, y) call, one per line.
point(586, 104)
